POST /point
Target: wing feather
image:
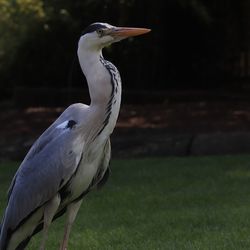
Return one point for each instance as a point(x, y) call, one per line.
point(103, 171)
point(39, 179)
point(50, 162)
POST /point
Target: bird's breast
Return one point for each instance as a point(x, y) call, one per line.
point(86, 171)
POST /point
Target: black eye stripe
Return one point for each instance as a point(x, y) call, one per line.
point(92, 28)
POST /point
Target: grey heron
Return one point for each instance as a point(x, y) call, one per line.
point(72, 156)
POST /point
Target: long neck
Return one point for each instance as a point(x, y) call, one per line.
point(104, 87)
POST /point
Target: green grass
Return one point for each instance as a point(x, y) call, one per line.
point(155, 204)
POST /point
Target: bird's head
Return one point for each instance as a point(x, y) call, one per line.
point(99, 35)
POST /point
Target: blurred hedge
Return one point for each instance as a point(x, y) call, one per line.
point(192, 43)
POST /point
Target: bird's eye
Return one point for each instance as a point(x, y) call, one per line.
point(100, 32)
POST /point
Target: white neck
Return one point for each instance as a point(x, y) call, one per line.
point(104, 87)
point(96, 75)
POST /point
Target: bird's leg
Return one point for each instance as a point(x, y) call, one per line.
point(49, 212)
point(72, 211)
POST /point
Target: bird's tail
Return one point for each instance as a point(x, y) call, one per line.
point(1, 237)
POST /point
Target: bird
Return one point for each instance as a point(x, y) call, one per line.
point(72, 156)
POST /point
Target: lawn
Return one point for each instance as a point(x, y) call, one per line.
point(162, 203)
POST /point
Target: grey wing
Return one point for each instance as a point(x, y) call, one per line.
point(103, 171)
point(49, 135)
point(49, 164)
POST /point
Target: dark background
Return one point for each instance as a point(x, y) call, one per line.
point(186, 85)
point(194, 44)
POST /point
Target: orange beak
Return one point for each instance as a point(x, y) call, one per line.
point(124, 32)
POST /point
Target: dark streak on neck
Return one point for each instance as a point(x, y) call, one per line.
point(111, 69)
